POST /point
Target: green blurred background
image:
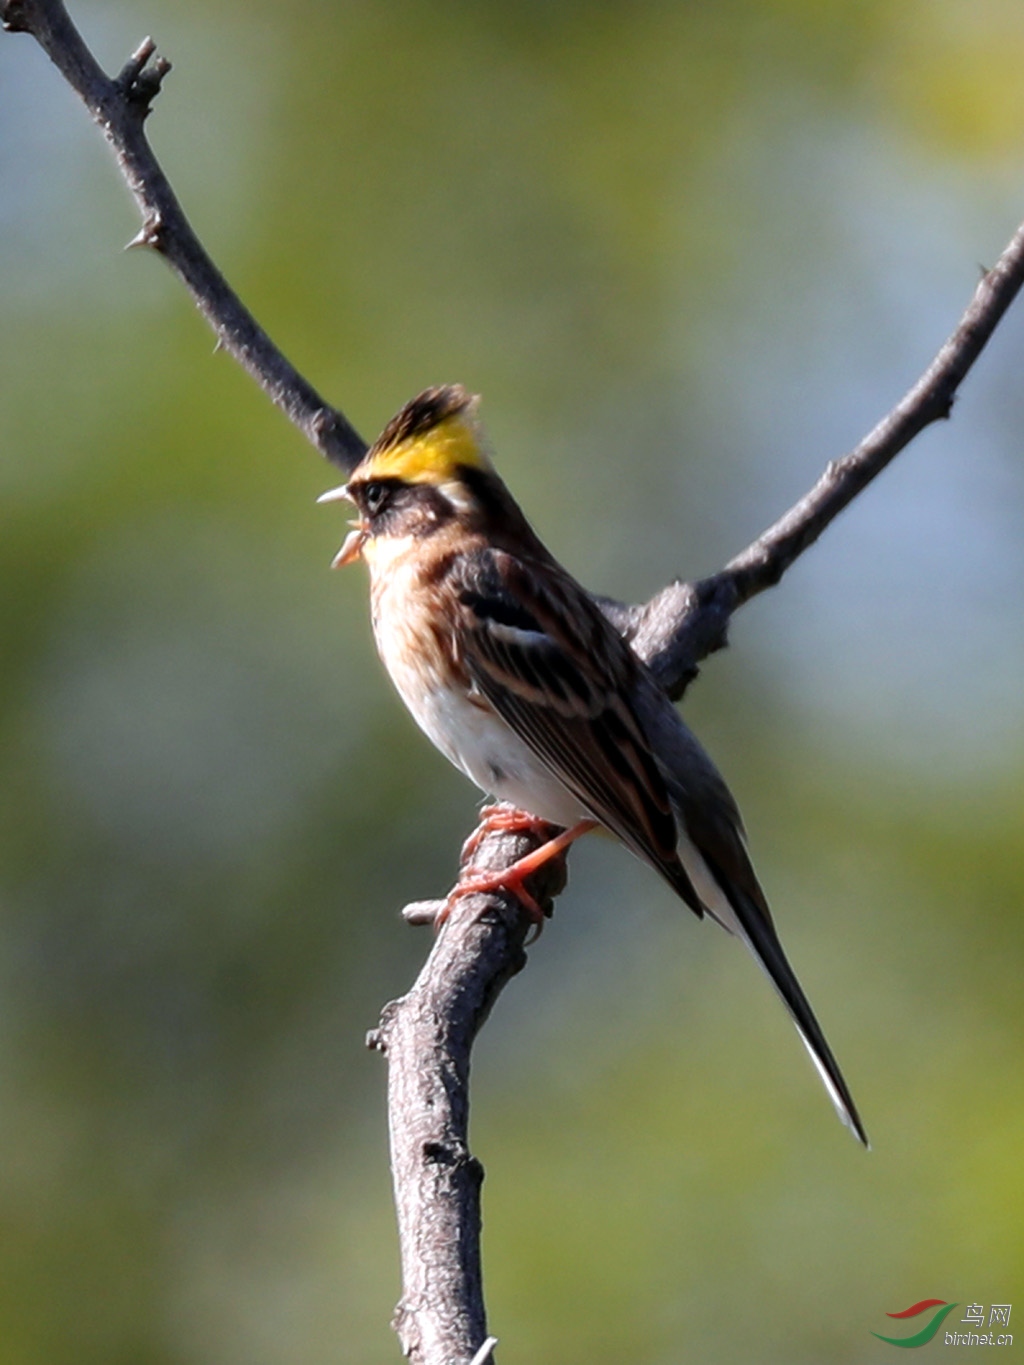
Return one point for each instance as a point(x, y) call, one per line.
point(687, 252)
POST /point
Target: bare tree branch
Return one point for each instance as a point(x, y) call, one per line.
point(684, 623)
point(680, 625)
point(120, 106)
point(427, 1037)
point(428, 1034)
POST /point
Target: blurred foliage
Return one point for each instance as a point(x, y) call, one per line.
point(687, 253)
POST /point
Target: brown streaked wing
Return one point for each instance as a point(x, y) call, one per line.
point(559, 675)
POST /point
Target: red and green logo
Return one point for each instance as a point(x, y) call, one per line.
point(926, 1333)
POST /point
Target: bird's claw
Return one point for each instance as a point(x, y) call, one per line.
point(503, 817)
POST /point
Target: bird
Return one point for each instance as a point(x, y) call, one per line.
point(513, 671)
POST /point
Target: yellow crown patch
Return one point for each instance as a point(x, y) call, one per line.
point(428, 440)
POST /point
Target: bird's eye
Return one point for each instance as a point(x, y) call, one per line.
point(375, 495)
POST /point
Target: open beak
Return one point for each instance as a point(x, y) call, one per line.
point(356, 538)
point(353, 546)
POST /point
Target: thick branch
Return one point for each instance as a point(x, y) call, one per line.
point(427, 1036)
point(120, 107)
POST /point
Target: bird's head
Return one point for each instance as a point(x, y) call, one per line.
point(428, 468)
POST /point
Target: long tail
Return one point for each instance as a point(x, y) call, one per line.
point(738, 912)
point(763, 942)
point(713, 852)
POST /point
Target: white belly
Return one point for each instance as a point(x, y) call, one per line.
point(468, 732)
point(492, 755)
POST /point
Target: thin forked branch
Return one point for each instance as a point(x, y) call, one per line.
point(684, 623)
point(680, 625)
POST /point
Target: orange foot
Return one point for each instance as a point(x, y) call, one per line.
point(501, 817)
point(511, 878)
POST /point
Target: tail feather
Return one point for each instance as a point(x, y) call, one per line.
point(713, 851)
point(737, 911)
point(763, 942)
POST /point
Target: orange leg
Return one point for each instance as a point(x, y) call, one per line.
point(511, 878)
point(501, 817)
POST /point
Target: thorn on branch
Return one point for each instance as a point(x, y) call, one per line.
point(485, 1351)
point(141, 77)
point(150, 234)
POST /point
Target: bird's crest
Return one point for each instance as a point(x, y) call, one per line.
point(428, 441)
